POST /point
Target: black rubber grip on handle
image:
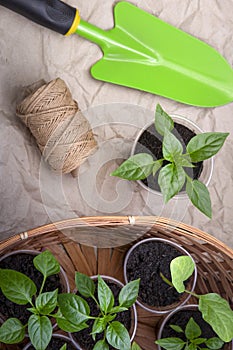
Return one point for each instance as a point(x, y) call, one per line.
point(53, 14)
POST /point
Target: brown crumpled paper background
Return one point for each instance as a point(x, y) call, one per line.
point(31, 194)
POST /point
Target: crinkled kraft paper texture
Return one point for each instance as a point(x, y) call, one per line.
point(31, 194)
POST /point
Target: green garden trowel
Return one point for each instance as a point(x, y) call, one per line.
point(142, 52)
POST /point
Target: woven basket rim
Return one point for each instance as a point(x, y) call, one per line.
point(95, 221)
point(213, 258)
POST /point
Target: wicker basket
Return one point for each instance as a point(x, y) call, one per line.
point(214, 259)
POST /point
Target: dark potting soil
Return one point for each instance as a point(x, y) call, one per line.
point(24, 263)
point(83, 338)
point(151, 142)
point(181, 319)
point(146, 262)
point(56, 344)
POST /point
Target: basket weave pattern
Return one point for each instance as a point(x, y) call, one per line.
point(214, 259)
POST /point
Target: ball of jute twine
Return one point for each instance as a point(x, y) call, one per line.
point(63, 134)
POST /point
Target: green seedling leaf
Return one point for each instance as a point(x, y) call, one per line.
point(135, 346)
point(183, 161)
point(205, 145)
point(192, 330)
point(16, 286)
point(129, 293)
point(157, 165)
point(176, 328)
point(118, 336)
point(74, 308)
point(46, 264)
point(109, 318)
point(199, 341)
point(47, 302)
point(105, 296)
point(64, 347)
point(101, 323)
point(181, 268)
point(171, 343)
point(191, 346)
point(172, 148)
point(12, 331)
point(33, 310)
point(101, 345)
point(163, 121)
point(217, 312)
point(40, 331)
point(98, 327)
point(84, 284)
point(171, 180)
point(137, 167)
point(70, 327)
point(214, 343)
point(117, 309)
point(67, 326)
point(199, 196)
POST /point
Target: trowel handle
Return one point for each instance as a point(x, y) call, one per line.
point(53, 14)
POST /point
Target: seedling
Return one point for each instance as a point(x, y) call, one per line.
point(21, 290)
point(215, 310)
point(192, 334)
point(173, 176)
point(75, 311)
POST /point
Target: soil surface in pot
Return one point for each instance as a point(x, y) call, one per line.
point(181, 318)
point(24, 263)
point(56, 344)
point(151, 142)
point(83, 338)
point(146, 262)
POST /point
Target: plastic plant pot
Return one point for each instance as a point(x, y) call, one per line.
point(182, 298)
point(208, 164)
point(134, 319)
point(227, 346)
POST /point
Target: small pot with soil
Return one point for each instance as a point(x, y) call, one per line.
point(111, 317)
point(22, 261)
point(30, 282)
point(56, 343)
point(214, 309)
point(172, 156)
point(186, 325)
point(150, 141)
point(147, 260)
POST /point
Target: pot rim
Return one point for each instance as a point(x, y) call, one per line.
point(133, 307)
point(55, 335)
point(177, 246)
point(183, 307)
point(208, 162)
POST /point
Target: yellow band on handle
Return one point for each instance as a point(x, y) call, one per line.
point(75, 24)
